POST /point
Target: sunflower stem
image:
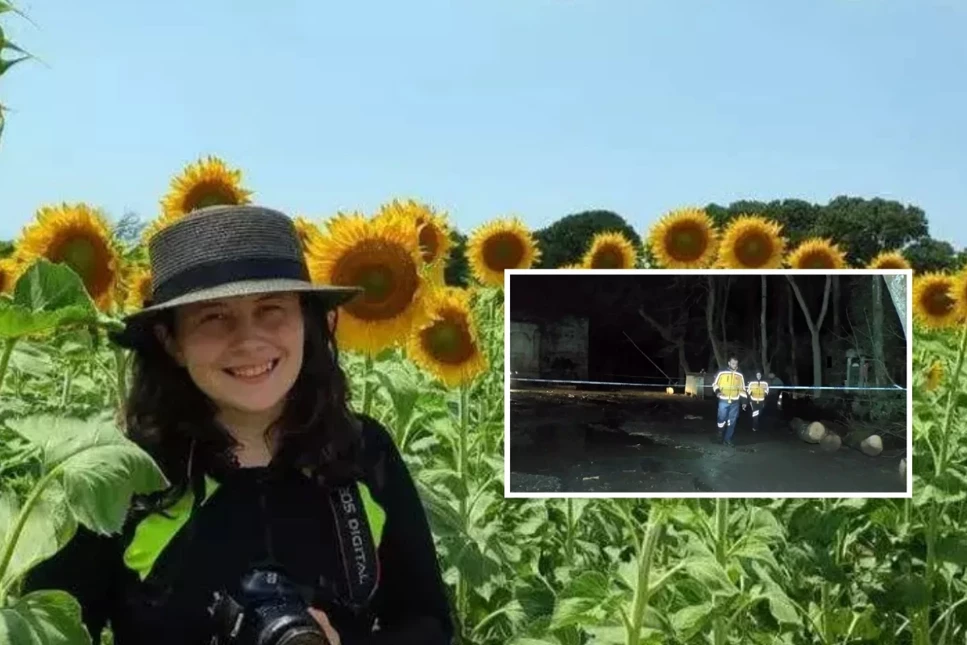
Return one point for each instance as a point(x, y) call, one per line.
point(462, 588)
point(922, 630)
point(66, 389)
point(720, 634)
point(5, 358)
point(122, 377)
point(367, 384)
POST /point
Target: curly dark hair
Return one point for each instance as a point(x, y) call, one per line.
point(174, 422)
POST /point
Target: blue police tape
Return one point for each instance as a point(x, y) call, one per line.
point(771, 387)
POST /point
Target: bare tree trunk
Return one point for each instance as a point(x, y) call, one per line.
point(879, 356)
point(670, 337)
point(836, 302)
point(792, 338)
point(710, 321)
point(815, 327)
point(897, 286)
point(777, 333)
point(762, 326)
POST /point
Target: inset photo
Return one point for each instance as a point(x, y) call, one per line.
point(778, 383)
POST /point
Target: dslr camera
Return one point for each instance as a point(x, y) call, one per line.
point(270, 611)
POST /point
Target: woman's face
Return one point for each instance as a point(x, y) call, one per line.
point(244, 353)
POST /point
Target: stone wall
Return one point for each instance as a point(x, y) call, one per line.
point(551, 349)
point(564, 349)
point(525, 347)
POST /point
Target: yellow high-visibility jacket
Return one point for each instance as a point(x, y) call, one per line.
point(729, 385)
point(758, 390)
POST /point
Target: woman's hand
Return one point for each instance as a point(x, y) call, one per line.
point(327, 627)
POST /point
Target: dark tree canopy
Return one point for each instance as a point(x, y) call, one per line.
point(863, 227)
point(927, 255)
point(457, 272)
point(566, 240)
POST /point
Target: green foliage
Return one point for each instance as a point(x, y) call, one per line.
point(566, 571)
point(6, 46)
point(864, 227)
point(928, 255)
point(45, 297)
point(796, 216)
point(567, 240)
point(457, 272)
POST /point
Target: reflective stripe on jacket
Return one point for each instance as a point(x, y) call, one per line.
point(153, 533)
point(758, 390)
point(730, 385)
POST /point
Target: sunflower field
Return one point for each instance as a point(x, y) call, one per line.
point(426, 358)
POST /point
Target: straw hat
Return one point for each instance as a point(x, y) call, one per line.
point(221, 252)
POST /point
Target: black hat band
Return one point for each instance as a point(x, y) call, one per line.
point(214, 274)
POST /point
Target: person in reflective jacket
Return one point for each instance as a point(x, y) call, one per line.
point(275, 483)
point(729, 387)
point(758, 390)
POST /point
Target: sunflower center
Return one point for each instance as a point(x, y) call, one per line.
point(209, 193)
point(387, 274)
point(448, 341)
point(753, 250)
point(937, 301)
point(503, 251)
point(686, 242)
point(377, 280)
point(79, 254)
point(817, 261)
point(607, 257)
point(429, 242)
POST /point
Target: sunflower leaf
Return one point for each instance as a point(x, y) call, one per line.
point(100, 468)
point(44, 618)
point(45, 297)
point(46, 286)
point(48, 527)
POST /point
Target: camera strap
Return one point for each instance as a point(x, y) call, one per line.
point(356, 544)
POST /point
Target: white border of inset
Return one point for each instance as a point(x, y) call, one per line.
point(628, 272)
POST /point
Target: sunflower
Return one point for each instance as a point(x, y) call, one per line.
point(138, 287)
point(817, 253)
point(889, 260)
point(384, 259)
point(683, 239)
point(8, 274)
point(934, 376)
point(958, 292)
point(79, 236)
point(307, 231)
point(572, 266)
point(206, 182)
point(751, 242)
point(500, 245)
point(933, 300)
point(610, 250)
point(446, 344)
point(433, 233)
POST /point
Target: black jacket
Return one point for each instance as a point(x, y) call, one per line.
point(227, 537)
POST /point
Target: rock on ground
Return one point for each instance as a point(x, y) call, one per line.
point(528, 483)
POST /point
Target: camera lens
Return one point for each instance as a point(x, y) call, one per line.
point(303, 636)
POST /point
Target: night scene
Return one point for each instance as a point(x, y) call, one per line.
point(657, 383)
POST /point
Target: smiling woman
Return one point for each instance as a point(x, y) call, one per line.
point(275, 484)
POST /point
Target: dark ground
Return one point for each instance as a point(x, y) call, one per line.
point(630, 441)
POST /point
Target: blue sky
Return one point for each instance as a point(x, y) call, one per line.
point(537, 108)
